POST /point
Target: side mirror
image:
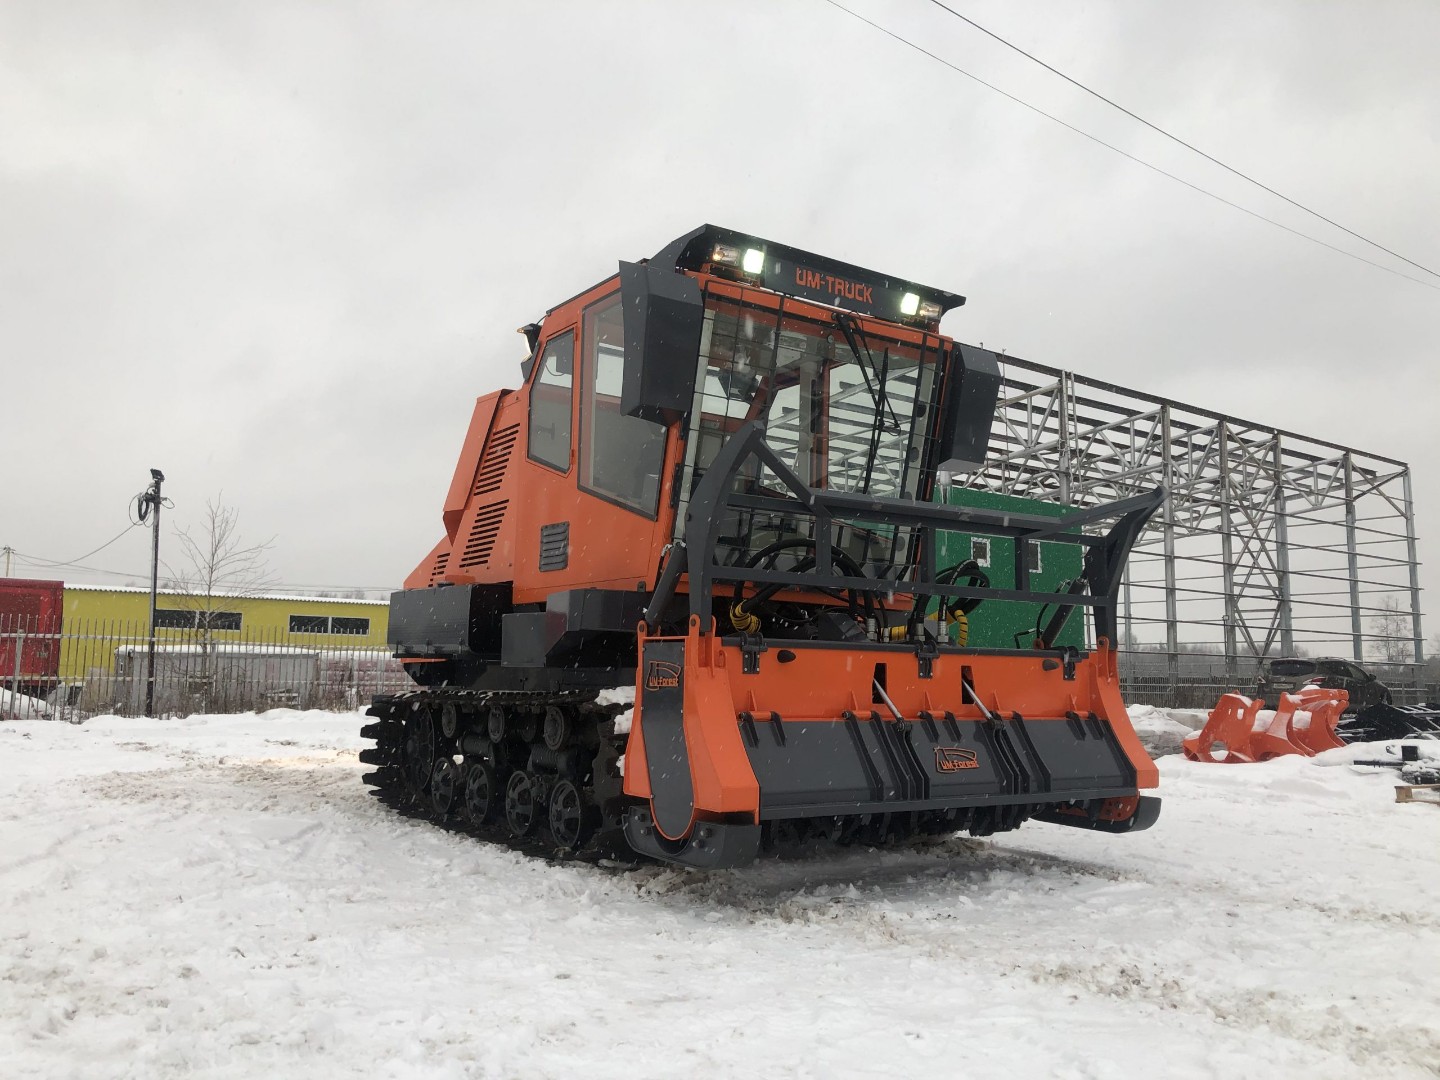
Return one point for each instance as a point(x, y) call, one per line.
point(663, 317)
point(532, 338)
point(972, 386)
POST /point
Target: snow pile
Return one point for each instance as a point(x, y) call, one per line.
point(1161, 731)
point(219, 896)
point(15, 706)
point(620, 695)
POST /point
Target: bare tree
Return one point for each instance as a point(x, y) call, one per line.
point(216, 566)
point(1392, 632)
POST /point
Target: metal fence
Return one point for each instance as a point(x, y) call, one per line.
point(92, 668)
point(88, 668)
point(1195, 680)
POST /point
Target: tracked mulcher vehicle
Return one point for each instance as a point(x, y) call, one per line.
point(715, 485)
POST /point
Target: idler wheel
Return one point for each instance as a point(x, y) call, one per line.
point(521, 809)
point(572, 817)
point(557, 728)
point(417, 750)
point(482, 792)
point(444, 786)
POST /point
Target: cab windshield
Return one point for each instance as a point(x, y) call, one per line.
point(842, 404)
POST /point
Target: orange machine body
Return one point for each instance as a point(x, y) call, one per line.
point(764, 574)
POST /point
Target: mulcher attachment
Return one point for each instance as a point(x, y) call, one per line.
point(726, 744)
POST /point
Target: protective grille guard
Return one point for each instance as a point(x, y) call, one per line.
point(1097, 587)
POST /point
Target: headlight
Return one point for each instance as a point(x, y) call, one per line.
point(754, 261)
point(912, 308)
point(725, 255)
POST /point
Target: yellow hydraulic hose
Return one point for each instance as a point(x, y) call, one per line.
point(744, 621)
point(961, 622)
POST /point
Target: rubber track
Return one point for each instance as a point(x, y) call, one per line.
point(389, 786)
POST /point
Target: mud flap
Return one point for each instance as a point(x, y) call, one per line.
point(666, 753)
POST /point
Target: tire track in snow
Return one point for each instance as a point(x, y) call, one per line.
point(950, 900)
point(871, 902)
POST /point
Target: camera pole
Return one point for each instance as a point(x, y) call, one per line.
point(150, 503)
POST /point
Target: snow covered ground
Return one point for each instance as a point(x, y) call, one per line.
point(218, 897)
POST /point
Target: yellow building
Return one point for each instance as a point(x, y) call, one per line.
point(98, 619)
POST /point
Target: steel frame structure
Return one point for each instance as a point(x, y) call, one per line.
point(1269, 541)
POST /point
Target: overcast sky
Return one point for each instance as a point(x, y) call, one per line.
point(277, 249)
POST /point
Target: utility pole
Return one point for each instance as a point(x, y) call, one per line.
point(149, 506)
point(8, 552)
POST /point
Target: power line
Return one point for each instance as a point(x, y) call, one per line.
point(34, 560)
point(1139, 161)
point(1175, 138)
point(278, 586)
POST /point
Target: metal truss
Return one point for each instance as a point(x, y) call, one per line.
point(1269, 542)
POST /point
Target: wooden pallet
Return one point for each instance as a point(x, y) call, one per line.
point(1417, 793)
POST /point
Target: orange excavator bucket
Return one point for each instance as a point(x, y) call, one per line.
point(1316, 715)
point(1239, 730)
point(1226, 735)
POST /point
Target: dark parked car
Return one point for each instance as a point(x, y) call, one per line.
point(1294, 673)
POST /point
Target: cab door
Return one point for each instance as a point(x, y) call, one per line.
point(603, 528)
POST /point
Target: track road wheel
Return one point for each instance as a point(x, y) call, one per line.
point(444, 786)
point(417, 750)
point(573, 819)
point(521, 811)
point(449, 721)
point(482, 792)
point(556, 730)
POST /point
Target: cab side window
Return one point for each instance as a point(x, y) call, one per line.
point(551, 395)
point(621, 456)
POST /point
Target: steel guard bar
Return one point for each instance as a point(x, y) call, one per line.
point(1096, 588)
point(734, 732)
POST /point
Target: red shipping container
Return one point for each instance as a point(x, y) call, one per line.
point(30, 614)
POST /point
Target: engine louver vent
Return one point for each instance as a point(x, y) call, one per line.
point(437, 570)
point(481, 541)
point(555, 546)
point(491, 473)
